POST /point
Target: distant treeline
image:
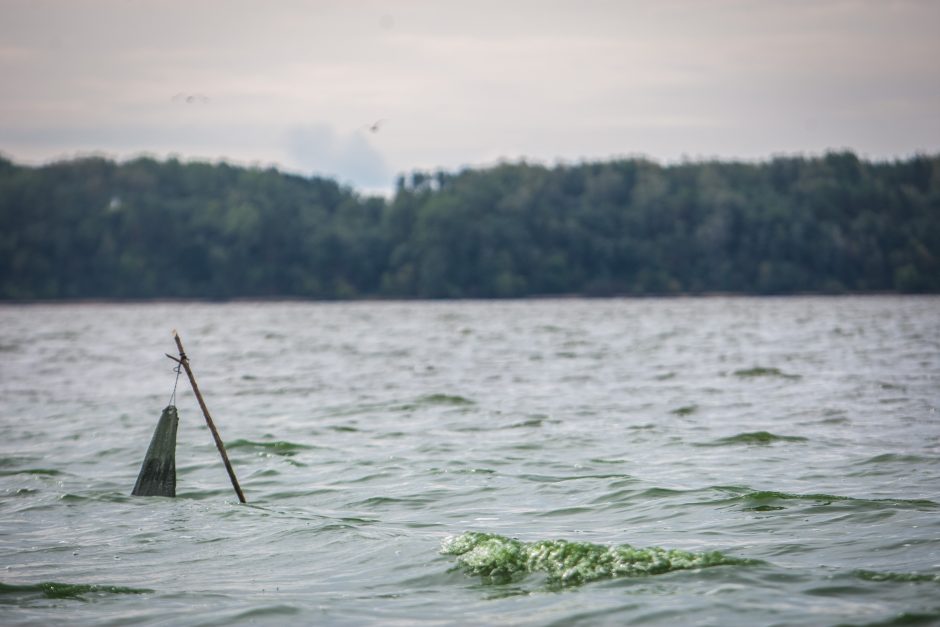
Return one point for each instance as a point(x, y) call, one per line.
point(93, 228)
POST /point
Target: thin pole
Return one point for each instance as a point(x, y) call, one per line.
point(184, 361)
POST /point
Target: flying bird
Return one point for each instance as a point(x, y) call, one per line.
point(374, 127)
point(190, 98)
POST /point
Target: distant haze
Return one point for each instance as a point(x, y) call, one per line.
point(302, 84)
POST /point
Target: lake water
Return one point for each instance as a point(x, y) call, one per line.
point(423, 462)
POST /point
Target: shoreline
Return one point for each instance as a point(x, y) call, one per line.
point(378, 300)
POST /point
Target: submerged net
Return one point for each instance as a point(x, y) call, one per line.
point(158, 472)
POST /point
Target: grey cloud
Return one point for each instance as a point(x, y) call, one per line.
point(467, 83)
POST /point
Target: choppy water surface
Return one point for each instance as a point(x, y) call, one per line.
point(688, 461)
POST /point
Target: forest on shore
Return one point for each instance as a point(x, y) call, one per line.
point(93, 228)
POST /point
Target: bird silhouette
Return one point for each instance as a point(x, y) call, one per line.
point(375, 126)
point(190, 98)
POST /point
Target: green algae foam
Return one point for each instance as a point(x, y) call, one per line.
point(503, 559)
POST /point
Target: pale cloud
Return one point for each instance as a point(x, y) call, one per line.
point(348, 157)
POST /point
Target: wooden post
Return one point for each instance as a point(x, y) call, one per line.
point(184, 362)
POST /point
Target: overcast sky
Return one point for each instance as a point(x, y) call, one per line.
point(298, 83)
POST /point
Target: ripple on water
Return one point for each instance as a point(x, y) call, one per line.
point(444, 399)
point(768, 500)
point(274, 447)
point(49, 472)
point(762, 438)
point(761, 371)
point(55, 590)
point(890, 458)
point(870, 575)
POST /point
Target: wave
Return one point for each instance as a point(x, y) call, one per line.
point(501, 559)
point(51, 472)
point(343, 429)
point(750, 499)
point(275, 447)
point(534, 421)
point(54, 590)
point(760, 371)
point(755, 437)
point(444, 399)
point(871, 575)
point(14, 460)
point(904, 619)
point(766, 500)
point(400, 405)
point(887, 458)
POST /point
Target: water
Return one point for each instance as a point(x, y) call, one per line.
point(767, 461)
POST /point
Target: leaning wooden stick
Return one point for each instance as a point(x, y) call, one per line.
point(184, 362)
